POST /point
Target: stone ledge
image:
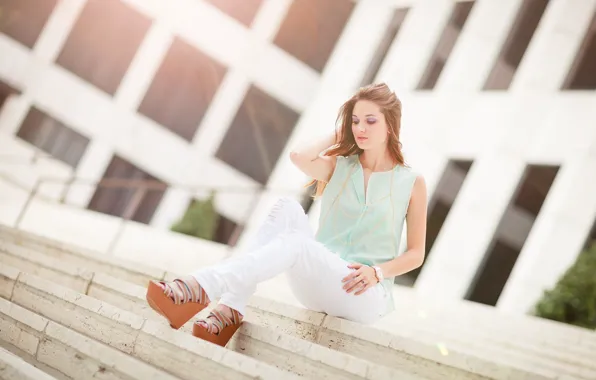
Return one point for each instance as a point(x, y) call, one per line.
point(94, 261)
point(426, 366)
point(178, 352)
point(65, 350)
point(514, 359)
point(61, 272)
point(526, 327)
point(426, 337)
point(321, 360)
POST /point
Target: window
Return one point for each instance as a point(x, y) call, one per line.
point(227, 231)
point(511, 235)
point(451, 33)
point(53, 137)
point(182, 89)
point(257, 135)
point(515, 46)
point(24, 20)
point(399, 16)
point(5, 92)
point(439, 206)
point(582, 75)
point(103, 42)
point(243, 11)
point(136, 196)
point(311, 29)
point(307, 199)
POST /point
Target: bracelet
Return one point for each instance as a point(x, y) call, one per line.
point(378, 273)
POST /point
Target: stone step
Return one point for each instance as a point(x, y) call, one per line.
point(496, 327)
point(79, 257)
point(13, 367)
point(344, 335)
point(413, 327)
point(431, 337)
point(397, 352)
point(136, 336)
point(68, 354)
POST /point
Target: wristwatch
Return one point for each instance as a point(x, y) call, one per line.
point(379, 273)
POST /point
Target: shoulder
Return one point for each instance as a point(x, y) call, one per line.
point(418, 187)
point(415, 180)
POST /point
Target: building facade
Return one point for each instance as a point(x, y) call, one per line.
point(187, 96)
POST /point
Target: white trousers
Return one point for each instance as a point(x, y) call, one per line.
point(286, 243)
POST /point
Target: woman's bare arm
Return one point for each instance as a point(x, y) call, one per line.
point(416, 221)
point(308, 158)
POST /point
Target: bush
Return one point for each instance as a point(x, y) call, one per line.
point(573, 300)
point(200, 219)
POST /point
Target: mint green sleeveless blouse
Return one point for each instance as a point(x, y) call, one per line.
point(361, 229)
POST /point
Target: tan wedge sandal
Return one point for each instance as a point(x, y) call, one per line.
point(226, 327)
point(178, 301)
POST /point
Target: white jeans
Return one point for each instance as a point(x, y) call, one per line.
point(286, 243)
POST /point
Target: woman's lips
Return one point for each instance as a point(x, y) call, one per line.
point(362, 138)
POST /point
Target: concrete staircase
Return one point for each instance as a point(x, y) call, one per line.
point(73, 314)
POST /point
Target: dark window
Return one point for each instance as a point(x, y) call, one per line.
point(5, 92)
point(307, 198)
point(497, 268)
point(257, 135)
point(440, 204)
point(508, 242)
point(582, 75)
point(399, 16)
point(243, 11)
point(227, 231)
point(515, 45)
point(103, 42)
point(312, 28)
point(451, 33)
point(128, 192)
point(535, 187)
point(53, 137)
point(23, 20)
point(182, 89)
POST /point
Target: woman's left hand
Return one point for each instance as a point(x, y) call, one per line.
point(361, 279)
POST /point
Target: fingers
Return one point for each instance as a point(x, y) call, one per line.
point(353, 286)
point(358, 282)
point(364, 289)
point(352, 275)
point(355, 266)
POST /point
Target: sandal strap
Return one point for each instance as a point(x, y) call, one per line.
point(185, 289)
point(217, 319)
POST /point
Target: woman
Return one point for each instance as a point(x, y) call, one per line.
point(347, 269)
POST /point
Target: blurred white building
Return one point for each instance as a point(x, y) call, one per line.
point(499, 115)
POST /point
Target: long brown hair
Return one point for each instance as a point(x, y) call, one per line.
point(390, 105)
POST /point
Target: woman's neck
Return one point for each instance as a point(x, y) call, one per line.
point(376, 160)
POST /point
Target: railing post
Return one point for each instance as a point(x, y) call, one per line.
point(25, 207)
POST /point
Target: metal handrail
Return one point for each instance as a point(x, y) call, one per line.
point(141, 187)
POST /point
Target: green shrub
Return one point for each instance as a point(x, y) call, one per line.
point(200, 219)
point(573, 300)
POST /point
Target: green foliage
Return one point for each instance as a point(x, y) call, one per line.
point(200, 219)
point(573, 300)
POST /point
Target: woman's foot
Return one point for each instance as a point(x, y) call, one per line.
point(219, 326)
point(178, 300)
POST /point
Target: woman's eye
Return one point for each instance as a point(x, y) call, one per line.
point(355, 122)
point(371, 121)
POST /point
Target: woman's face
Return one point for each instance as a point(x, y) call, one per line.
point(368, 125)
